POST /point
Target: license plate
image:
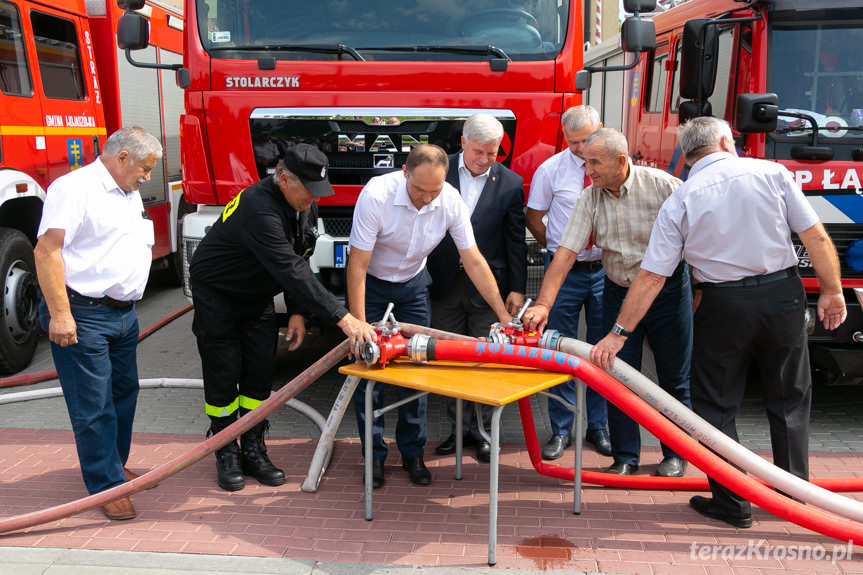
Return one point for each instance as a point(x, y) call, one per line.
point(340, 255)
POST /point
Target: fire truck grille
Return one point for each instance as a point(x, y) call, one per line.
point(189, 247)
point(337, 227)
point(535, 267)
point(349, 161)
point(843, 235)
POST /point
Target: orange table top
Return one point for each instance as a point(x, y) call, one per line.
point(487, 383)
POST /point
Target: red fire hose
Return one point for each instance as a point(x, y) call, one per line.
point(781, 506)
point(181, 462)
point(31, 378)
point(607, 479)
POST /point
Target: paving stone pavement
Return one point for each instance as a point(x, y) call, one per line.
point(621, 531)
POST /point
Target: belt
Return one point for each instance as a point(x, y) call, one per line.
point(754, 281)
point(589, 266)
point(105, 300)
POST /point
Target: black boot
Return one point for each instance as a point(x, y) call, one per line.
point(228, 462)
point(255, 460)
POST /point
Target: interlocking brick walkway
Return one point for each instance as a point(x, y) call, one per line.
point(619, 531)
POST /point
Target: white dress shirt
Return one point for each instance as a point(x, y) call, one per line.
point(555, 187)
point(731, 219)
point(400, 236)
point(107, 247)
point(471, 186)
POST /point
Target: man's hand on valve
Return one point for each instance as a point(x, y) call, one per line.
point(535, 317)
point(513, 302)
point(357, 331)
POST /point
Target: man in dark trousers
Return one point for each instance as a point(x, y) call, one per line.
point(259, 247)
point(618, 209)
point(554, 189)
point(93, 257)
point(752, 307)
point(494, 195)
point(399, 219)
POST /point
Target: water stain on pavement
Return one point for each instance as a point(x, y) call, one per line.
point(546, 551)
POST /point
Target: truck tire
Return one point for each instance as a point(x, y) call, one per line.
point(19, 316)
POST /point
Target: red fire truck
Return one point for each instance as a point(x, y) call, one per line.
point(806, 54)
point(364, 81)
point(63, 87)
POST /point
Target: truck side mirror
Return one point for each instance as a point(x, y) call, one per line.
point(698, 59)
point(130, 5)
point(637, 35)
point(691, 109)
point(133, 32)
point(639, 5)
point(756, 113)
point(183, 78)
point(582, 80)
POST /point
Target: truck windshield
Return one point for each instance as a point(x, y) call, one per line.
point(817, 69)
point(383, 30)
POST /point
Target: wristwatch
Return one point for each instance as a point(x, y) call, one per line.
point(618, 330)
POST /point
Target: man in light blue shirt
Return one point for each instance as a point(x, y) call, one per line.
point(732, 222)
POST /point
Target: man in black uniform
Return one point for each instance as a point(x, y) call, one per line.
point(257, 248)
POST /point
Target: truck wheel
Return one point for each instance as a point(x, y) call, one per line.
point(19, 320)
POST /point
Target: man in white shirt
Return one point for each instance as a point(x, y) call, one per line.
point(618, 211)
point(752, 307)
point(399, 219)
point(93, 258)
point(494, 195)
point(554, 189)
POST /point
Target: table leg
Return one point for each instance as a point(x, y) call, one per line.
point(493, 484)
point(579, 426)
point(328, 434)
point(370, 387)
point(459, 436)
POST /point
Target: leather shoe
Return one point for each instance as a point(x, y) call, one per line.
point(483, 451)
point(417, 470)
point(600, 439)
point(622, 468)
point(377, 474)
point(671, 467)
point(130, 475)
point(706, 507)
point(555, 446)
point(448, 445)
point(119, 510)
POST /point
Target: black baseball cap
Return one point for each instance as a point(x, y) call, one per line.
point(311, 166)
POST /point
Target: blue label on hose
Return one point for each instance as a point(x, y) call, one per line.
point(531, 352)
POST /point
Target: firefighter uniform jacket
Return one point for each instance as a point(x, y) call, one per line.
point(259, 247)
